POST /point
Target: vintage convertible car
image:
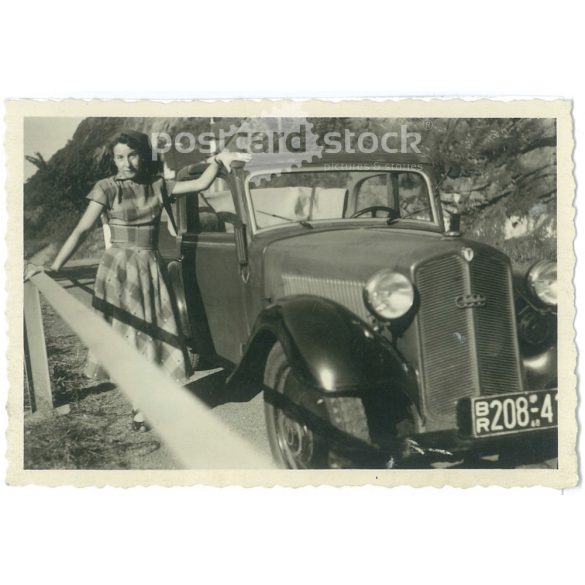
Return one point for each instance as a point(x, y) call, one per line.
point(379, 335)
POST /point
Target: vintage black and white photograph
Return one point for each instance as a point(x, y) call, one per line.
point(286, 290)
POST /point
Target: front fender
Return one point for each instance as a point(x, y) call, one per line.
point(541, 369)
point(537, 336)
point(329, 348)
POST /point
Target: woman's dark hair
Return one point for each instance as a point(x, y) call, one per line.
point(139, 142)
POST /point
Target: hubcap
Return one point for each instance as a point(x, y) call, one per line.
point(295, 440)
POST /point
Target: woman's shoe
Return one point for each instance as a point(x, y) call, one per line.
point(138, 422)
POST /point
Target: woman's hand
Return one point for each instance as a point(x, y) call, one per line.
point(227, 158)
point(31, 270)
point(202, 183)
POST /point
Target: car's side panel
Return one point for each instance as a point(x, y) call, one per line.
point(215, 294)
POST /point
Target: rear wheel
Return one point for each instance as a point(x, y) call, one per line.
point(336, 437)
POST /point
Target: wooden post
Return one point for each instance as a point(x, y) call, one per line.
point(37, 366)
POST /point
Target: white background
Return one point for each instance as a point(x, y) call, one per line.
point(175, 49)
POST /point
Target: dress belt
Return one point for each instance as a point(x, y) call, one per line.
point(131, 236)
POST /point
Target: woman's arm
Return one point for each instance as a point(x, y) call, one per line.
point(200, 184)
point(78, 235)
point(208, 176)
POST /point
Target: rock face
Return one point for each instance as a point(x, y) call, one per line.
point(510, 198)
point(502, 173)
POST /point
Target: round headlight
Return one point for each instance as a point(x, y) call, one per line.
point(542, 281)
point(389, 295)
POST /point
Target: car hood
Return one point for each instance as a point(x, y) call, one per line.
point(354, 254)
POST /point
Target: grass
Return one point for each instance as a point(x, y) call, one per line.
point(94, 435)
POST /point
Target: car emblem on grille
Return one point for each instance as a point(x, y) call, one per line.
point(467, 254)
point(470, 301)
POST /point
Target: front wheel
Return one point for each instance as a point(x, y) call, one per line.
point(333, 435)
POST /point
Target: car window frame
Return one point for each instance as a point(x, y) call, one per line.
point(191, 208)
point(437, 225)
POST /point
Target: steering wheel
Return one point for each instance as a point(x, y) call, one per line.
point(229, 217)
point(392, 213)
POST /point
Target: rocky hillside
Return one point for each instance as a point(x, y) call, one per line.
point(500, 173)
point(505, 174)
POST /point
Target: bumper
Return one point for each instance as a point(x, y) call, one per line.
point(489, 425)
point(531, 443)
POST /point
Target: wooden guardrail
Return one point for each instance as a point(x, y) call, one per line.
point(195, 436)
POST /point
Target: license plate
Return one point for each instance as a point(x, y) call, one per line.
point(510, 413)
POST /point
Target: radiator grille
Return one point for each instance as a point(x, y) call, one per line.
point(496, 340)
point(446, 334)
point(348, 293)
point(469, 351)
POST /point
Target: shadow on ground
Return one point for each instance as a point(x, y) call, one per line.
point(94, 390)
point(213, 390)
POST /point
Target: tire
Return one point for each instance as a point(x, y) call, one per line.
point(303, 440)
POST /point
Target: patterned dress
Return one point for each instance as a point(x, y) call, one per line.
point(131, 287)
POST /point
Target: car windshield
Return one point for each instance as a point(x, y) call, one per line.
point(307, 196)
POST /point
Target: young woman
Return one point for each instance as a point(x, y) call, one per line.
point(131, 287)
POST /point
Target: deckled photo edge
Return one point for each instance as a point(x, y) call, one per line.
point(13, 145)
point(567, 473)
